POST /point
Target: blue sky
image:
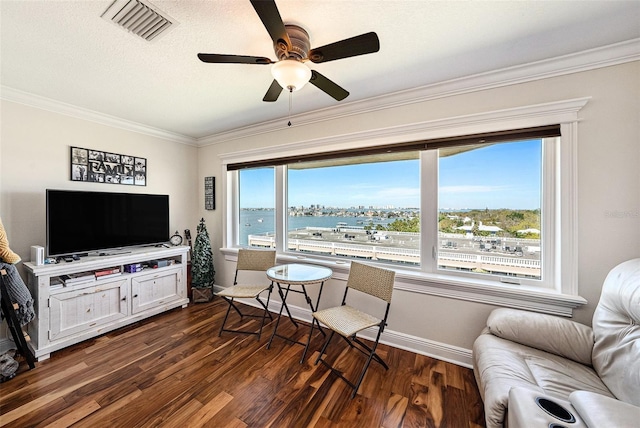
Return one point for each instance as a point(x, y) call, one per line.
point(498, 176)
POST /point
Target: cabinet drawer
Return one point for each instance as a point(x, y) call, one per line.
point(81, 310)
point(155, 289)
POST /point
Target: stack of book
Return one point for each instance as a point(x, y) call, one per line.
point(77, 278)
point(107, 272)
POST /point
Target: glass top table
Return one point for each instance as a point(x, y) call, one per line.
point(298, 275)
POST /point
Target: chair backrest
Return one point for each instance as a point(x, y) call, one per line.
point(258, 260)
point(372, 280)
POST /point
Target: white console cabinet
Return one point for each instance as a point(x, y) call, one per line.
point(66, 315)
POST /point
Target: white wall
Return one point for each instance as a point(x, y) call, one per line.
point(608, 186)
point(34, 156)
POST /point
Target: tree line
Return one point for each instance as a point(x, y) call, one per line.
point(509, 220)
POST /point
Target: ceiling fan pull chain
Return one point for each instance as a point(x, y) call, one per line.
point(290, 104)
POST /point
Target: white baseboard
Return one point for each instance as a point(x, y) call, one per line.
point(430, 348)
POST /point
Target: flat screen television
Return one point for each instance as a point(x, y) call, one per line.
point(80, 222)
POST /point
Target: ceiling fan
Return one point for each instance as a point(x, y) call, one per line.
point(292, 47)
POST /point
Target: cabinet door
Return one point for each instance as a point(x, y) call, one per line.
point(82, 310)
point(157, 289)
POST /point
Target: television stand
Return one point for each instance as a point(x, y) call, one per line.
point(71, 312)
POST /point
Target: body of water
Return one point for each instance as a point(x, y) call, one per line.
point(263, 221)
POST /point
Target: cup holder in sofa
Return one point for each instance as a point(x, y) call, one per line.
point(555, 410)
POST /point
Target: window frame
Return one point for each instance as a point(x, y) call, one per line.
point(549, 191)
point(559, 178)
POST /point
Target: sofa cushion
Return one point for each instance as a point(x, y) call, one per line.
point(545, 332)
point(616, 326)
point(501, 364)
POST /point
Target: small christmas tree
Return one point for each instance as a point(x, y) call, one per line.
point(202, 271)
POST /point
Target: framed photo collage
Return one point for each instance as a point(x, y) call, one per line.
point(105, 167)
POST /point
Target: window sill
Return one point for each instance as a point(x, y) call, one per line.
point(476, 290)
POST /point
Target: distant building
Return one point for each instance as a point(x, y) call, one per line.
point(481, 228)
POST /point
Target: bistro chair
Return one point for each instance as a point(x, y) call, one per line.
point(249, 260)
point(347, 321)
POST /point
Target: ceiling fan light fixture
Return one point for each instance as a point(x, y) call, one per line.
point(291, 74)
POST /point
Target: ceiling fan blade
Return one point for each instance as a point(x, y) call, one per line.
point(270, 17)
point(328, 86)
point(273, 92)
point(358, 45)
point(233, 59)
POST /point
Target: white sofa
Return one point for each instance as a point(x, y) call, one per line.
point(596, 370)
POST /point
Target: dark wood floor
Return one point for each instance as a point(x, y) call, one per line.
point(173, 370)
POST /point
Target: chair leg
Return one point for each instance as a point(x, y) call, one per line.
point(375, 356)
point(226, 316)
point(324, 348)
point(364, 371)
point(333, 369)
point(262, 317)
point(371, 355)
point(266, 312)
point(265, 306)
point(306, 348)
point(234, 306)
point(348, 341)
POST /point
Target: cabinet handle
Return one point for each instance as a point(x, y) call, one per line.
point(135, 295)
point(124, 298)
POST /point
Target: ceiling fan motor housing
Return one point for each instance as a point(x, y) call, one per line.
point(299, 44)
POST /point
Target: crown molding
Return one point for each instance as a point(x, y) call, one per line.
point(592, 59)
point(21, 97)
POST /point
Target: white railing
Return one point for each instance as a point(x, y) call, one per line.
point(464, 257)
point(393, 254)
point(482, 259)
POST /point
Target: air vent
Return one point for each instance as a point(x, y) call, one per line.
point(139, 17)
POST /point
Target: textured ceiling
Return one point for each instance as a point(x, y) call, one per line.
point(64, 50)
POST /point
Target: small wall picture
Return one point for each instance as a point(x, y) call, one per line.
point(210, 193)
point(106, 167)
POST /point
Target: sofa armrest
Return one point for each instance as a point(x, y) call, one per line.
point(548, 333)
point(599, 411)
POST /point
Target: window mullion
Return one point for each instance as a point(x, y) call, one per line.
point(429, 210)
point(281, 208)
point(550, 216)
point(231, 213)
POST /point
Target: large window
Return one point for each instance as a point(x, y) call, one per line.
point(488, 201)
point(363, 207)
point(256, 207)
point(466, 212)
point(490, 209)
